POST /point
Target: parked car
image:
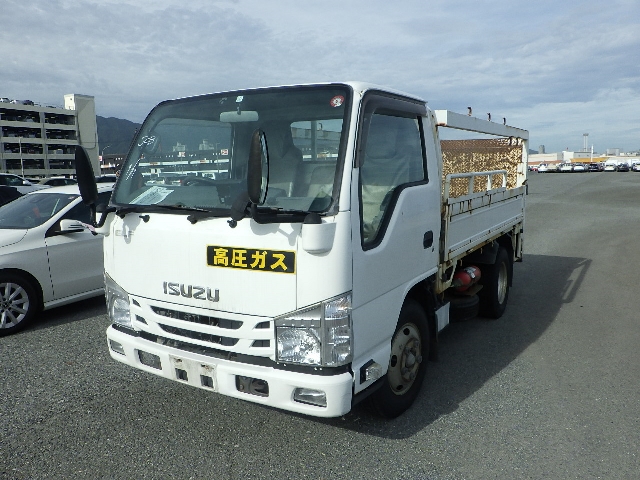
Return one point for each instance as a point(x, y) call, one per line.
point(49, 254)
point(636, 167)
point(579, 167)
point(22, 184)
point(565, 167)
point(610, 167)
point(57, 181)
point(594, 167)
point(107, 178)
point(22, 102)
point(623, 167)
point(543, 168)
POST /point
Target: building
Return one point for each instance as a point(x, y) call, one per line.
point(40, 141)
point(562, 157)
point(569, 157)
point(111, 163)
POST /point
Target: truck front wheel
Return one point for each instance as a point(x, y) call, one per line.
point(407, 364)
point(495, 286)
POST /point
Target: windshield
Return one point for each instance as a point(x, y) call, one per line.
point(193, 153)
point(34, 209)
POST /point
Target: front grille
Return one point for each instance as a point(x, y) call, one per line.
point(200, 319)
point(205, 337)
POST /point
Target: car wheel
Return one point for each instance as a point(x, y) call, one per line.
point(18, 303)
point(495, 286)
point(407, 363)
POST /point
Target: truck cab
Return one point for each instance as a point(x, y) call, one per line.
point(285, 246)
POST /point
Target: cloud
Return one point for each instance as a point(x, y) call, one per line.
point(537, 62)
point(610, 116)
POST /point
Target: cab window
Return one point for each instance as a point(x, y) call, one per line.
point(393, 157)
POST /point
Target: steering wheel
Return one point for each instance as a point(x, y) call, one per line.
point(191, 181)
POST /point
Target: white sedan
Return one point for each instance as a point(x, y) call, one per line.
point(22, 184)
point(547, 168)
point(49, 254)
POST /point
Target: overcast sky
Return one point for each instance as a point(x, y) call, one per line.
point(556, 68)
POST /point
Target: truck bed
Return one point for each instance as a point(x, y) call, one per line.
point(471, 221)
point(484, 186)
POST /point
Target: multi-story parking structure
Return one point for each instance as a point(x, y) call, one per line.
point(39, 141)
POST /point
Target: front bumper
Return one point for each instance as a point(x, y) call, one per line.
point(219, 375)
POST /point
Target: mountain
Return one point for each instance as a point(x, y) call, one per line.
point(115, 134)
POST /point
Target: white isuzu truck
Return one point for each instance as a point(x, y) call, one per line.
point(302, 246)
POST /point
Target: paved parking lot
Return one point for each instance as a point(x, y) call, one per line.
point(550, 390)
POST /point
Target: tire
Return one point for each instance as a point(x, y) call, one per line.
point(462, 307)
point(496, 279)
point(19, 303)
point(407, 363)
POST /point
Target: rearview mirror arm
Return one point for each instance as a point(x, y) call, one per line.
point(103, 215)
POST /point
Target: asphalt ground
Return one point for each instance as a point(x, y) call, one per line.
point(550, 390)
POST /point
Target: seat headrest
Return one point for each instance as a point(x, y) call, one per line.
point(382, 138)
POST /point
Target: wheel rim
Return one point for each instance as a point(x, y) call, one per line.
point(503, 283)
point(14, 304)
point(406, 358)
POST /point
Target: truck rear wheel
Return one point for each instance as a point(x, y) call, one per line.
point(495, 286)
point(407, 364)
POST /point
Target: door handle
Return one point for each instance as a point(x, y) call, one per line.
point(427, 240)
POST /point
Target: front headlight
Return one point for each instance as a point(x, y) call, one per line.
point(318, 335)
point(117, 303)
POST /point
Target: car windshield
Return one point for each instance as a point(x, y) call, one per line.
point(11, 180)
point(34, 209)
point(192, 154)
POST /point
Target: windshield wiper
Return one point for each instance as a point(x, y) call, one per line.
point(270, 208)
point(135, 208)
point(122, 211)
point(264, 214)
point(198, 213)
point(183, 208)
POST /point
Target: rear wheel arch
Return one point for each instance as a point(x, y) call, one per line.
point(485, 258)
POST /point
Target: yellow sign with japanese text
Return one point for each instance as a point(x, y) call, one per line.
point(278, 261)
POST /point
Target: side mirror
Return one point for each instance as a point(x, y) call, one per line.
point(258, 168)
point(71, 226)
point(86, 178)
